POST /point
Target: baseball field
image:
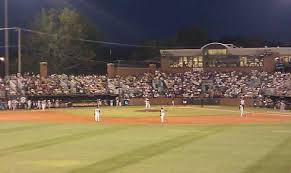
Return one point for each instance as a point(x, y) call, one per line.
point(212, 139)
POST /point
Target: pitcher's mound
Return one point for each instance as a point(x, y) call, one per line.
point(148, 110)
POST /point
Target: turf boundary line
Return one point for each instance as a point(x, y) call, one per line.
point(211, 109)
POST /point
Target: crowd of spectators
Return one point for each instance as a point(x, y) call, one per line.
point(188, 84)
point(33, 85)
point(197, 84)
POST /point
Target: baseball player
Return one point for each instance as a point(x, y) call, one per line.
point(173, 102)
point(162, 115)
point(282, 106)
point(14, 104)
point(29, 103)
point(117, 101)
point(49, 104)
point(97, 114)
point(147, 104)
point(39, 104)
point(242, 102)
point(43, 105)
point(9, 104)
point(242, 107)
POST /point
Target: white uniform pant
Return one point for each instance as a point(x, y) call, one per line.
point(162, 118)
point(14, 107)
point(241, 111)
point(148, 106)
point(97, 117)
point(43, 106)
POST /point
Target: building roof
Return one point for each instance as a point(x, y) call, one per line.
point(233, 50)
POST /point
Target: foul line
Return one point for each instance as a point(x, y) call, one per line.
point(225, 110)
point(212, 109)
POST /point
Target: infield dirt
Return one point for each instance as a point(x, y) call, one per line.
point(59, 117)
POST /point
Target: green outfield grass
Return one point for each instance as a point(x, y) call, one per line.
point(135, 111)
point(93, 148)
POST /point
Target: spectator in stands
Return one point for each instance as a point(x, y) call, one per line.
point(190, 84)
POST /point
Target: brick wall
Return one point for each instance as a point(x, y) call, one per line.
point(43, 69)
point(269, 63)
point(235, 102)
point(155, 101)
point(231, 69)
point(110, 70)
point(178, 101)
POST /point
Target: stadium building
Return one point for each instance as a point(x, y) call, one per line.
point(226, 57)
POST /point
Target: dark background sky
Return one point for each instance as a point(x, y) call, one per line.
point(132, 21)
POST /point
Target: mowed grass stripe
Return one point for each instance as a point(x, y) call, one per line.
point(59, 140)
point(23, 128)
point(277, 160)
point(137, 155)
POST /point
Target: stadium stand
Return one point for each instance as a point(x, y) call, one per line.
point(191, 84)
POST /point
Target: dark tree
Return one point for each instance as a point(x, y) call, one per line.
point(150, 50)
point(243, 41)
point(189, 37)
point(60, 43)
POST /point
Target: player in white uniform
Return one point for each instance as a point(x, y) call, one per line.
point(242, 107)
point(242, 102)
point(43, 105)
point(173, 102)
point(29, 103)
point(147, 104)
point(117, 101)
point(9, 104)
point(97, 114)
point(14, 104)
point(282, 106)
point(39, 104)
point(162, 115)
point(49, 104)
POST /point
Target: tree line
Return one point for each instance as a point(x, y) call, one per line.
point(59, 44)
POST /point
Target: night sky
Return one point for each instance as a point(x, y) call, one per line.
point(132, 21)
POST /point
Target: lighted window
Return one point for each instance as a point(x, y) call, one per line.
point(189, 62)
point(283, 59)
point(251, 61)
point(217, 52)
